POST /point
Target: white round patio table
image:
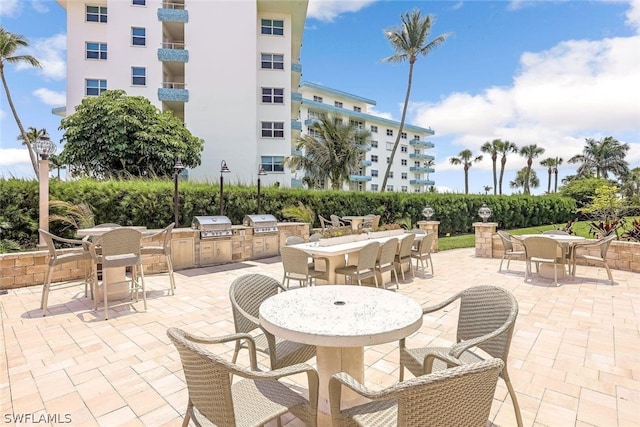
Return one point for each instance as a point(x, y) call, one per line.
point(340, 320)
point(547, 270)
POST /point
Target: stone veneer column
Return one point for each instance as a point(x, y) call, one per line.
point(484, 233)
point(430, 226)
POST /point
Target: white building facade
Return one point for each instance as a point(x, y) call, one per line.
point(231, 71)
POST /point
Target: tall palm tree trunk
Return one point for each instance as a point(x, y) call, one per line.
point(527, 177)
point(503, 162)
point(495, 176)
point(34, 161)
point(549, 184)
point(466, 179)
point(404, 115)
point(555, 184)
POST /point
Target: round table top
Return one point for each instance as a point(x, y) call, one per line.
point(559, 237)
point(340, 315)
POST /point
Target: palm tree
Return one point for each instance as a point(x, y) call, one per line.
point(523, 177)
point(465, 158)
point(493, 148)
point(9, 44)
point(429, 164)
point(604, 157)
point(335, 153)
point(549, 163)
point(504, 148)
point(530, 151)
point(409, 41)
point(559, 161)
point(487, 188)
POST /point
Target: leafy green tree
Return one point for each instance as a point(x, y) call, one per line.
point(552, 163)
point(487, 188)
point(523, 177)
point(409, 41)
point(602, 157)
point(116, 134)
point(466, 159)
point(504, 148)
point(630, 187)
point(9, 44)
point(582, 190)
point(530, 151)
point(335, 152)
point(493, 148)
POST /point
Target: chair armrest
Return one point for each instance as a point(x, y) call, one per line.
point(150, 234)
point(439, 306)
point(199, 339)
point(321, 258)
point(343, 379)
point(70, 241)
point(431, 357)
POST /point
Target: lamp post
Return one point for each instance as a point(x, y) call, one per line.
point(223, 169)
point(484, 212)
point(428, 212)
point(261, 172)
point(177, 167)
point(44, 147)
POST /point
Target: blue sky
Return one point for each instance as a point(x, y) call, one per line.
point(546, 72)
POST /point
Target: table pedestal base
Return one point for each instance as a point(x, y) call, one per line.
point(331, 360)
point(117, 287)
point(546, 271)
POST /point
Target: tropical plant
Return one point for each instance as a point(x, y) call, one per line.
point(530, 151)
point(632, 234)
point(552, 163)
point(493, 148)
point(522, 179)
point(333, 154)
point(9, 44)
point(487, 188)
point(582, 190)
point(630, 187)
point(76, 216)
point(116, 134)
point(301, 213)
point(7, 245)
point(466, 159)
point(602, 157)
point(504, 148)
point(409, 41)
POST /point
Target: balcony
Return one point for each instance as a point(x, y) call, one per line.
point(421, 156)
point(296, 152)
point(296, 74)
point(366, 147)
point(366, 163)
point(420, 143)
point(59, 111)
point(173, 12)
point(296, 67)
point(296, 125)
point(421, 169)
point(422, 182)
point(311, 121)
point(173, 91)
point(296, 183)
point(296, 97)
point(173, 52)
point(359, 178)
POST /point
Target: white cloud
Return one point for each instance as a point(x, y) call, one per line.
point(51, 54)
point(40, 6)
point(385, 114)
point(10, 8)
point(14, 156)
point(50, 97)
point(633, 15)
point(328, 10)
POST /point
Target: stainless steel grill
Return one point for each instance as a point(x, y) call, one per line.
point(212, 226)
point(261, 223)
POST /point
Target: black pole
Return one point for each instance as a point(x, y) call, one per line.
point(221, 191)
point(258, 196)
point(176, 202)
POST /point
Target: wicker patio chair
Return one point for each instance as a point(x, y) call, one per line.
point(325, 223)
point(163, 250)
point(293, 240)
point(508, 248)
point(403, 256)
point(77, 254)
point(486, 320)
point(602, 245)
point(253, 401)
point(120, 247)
point(366, 266)
point(544, 250)
point(423, 253)
point(246, 294)
point(460, 396)
point(296, 265)
point(336, 221)
point(384, 262)
point(315, 237)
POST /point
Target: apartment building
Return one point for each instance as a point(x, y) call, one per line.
point(231, 71)
point(412, 165)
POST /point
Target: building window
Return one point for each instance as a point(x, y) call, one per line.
point(272, 163)
point(314, 133)
point(374, 158)
point(416, 164)
point(317, 98)
point(404, 188)
point(273, 95)
point(272, 61)
point(138, 36)
point(416, 137)
point(417, 190)
point(272, 26)
point(389, 132)
point(374, 187)
point(138, 76)
point(389, 146)
point(357, 109)
point(389, 187)
point(139, 2)
point(374, 129)
point(390, 174)
point(273, 130)
point(96, 50)
point(404, 148)
point(374, 173)
point(374, 144)
point(338, 104)
point(96, 13)
point(358, 125)
point(94, 87)
point(403, 175)
point(403, 135)
point(403, 162)
point(388, 160)
point(416, 151)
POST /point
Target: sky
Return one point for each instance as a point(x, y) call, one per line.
point(550, 73)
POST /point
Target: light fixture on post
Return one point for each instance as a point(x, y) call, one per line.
point(428, 212)
point(223, 169)
point(45, 148)
point(177, 168)
point(484, 212)
point(261, 172)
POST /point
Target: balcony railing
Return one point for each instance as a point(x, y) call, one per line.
point(420, 143)
point(173, 91)
point(296, 125)
point(421, 156)
point(421, 182)
point(173, 12)
point(359, 178)
point(421, 169)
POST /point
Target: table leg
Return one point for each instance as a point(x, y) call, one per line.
point(546, 270)
point(334, 262)
point(117, 287)
point(331, 360)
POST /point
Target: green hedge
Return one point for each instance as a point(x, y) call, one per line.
point(150, 203)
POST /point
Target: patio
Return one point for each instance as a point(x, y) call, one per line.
point(574, 358)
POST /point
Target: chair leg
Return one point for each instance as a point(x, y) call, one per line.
point(172, 279)
point(501, 261)
point(45, 292)
point(606, 266)
point(144, 291)
point(105, 298)
point(512, 394)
